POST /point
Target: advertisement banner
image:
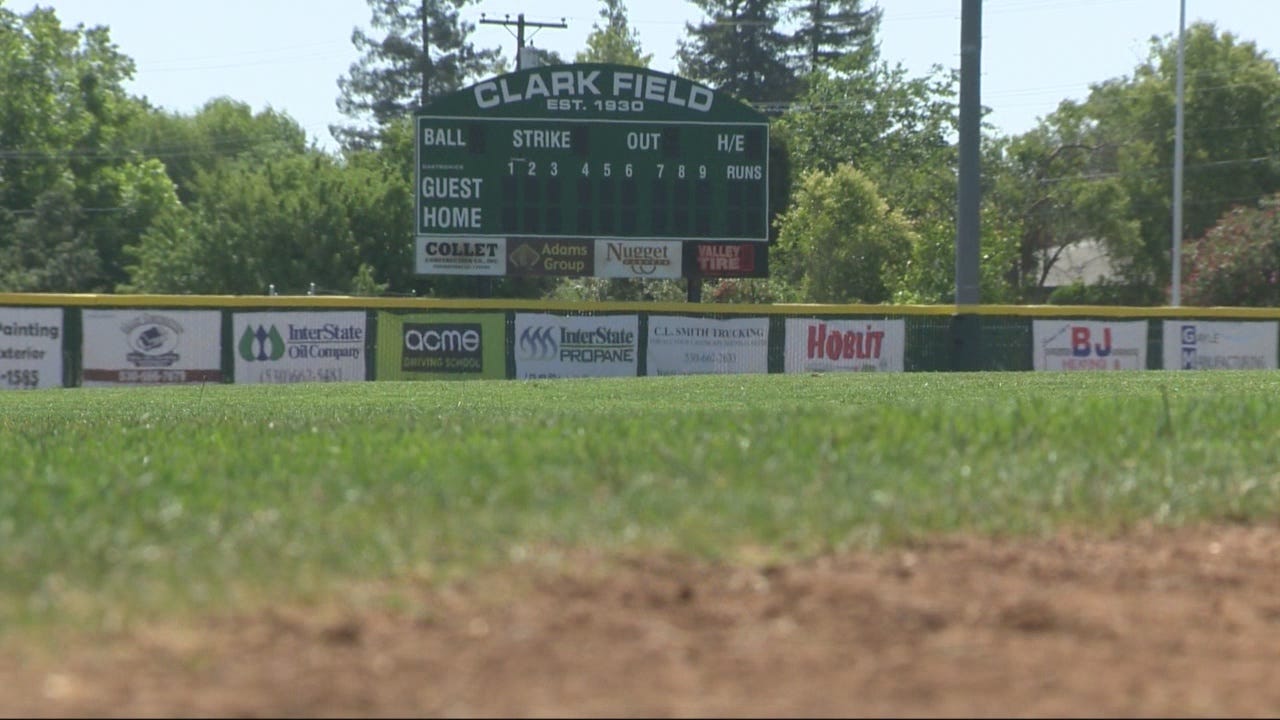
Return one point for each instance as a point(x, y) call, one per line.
point(441, 346)
point(866, 345)
point(711, 260)
point(459, 256)
point(646, 260)
point(1089, 344)
point(289, 347)
point(30, 348)
point(1219, 345)
point(152, 347)
point(551, 258)
point(696, 346)
point(563, 346)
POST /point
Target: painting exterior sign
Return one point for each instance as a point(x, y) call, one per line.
point(441, 346)
point(1089, 344)
point(563, 346)
point(289, 347)
point(690, 345)
point(152, 347)
point(864, 345)
point(30, 348)
point(1219, 345)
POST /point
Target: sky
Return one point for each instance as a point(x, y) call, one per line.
point(289, 54)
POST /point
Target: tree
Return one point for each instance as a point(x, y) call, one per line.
point(73, 195)
point(616, 42)
point(394, 74)
point(839, 241)
point(739, 50)
point(223, 130)
point(833, 29)
point(1104, 166)
point(284, 222)
point(1237, 262)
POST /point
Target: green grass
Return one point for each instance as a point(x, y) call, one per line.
point(132, 502)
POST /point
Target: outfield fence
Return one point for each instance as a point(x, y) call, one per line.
point(63, 340)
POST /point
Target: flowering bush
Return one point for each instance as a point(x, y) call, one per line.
point(1237, 262)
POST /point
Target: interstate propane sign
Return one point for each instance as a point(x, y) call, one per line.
point(590, 169)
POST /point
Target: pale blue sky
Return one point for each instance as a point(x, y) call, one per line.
point(288, 54)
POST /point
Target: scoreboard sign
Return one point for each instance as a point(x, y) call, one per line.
point(610, 167)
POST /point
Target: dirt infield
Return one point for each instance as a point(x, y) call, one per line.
point(1155, 623)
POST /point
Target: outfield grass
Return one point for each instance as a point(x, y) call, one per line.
point(131, 502)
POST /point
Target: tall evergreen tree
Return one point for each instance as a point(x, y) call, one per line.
point(389, 79)
point(832, 29)
point(739, 50)
point(615, 41)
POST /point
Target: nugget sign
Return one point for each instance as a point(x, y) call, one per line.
point(1089, 345)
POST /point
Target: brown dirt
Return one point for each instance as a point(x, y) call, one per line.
point(1154, 623)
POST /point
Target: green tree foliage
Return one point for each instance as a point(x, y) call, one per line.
point(72, 196)
point(739, 50)
point(285, 222)
point(1237, 262)
point(830, 30)
point(387, 82)
point(839, 241)
point(223, 130)
point(614, 41)
point(1103, 167)
point(899, 130)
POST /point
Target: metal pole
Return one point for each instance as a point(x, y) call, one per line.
point(965, 328)
point(1178, 129)
point(426, 57)
point(969, 195)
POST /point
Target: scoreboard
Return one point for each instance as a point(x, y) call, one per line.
point(622, 179)
point(580, 155)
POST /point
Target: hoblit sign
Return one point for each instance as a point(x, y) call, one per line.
point(817, 345)
point(593, 153)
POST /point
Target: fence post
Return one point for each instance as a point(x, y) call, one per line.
point(966, 329)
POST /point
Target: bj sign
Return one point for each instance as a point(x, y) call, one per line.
point(1089, 345)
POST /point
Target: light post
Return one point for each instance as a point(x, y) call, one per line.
point(1176, 293)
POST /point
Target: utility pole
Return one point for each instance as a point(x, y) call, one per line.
point(969, 196)
point(521, 24)
point(484, 283)
point(426, 57)
point(1179, 129)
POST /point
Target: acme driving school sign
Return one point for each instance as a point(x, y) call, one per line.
point(589, 155)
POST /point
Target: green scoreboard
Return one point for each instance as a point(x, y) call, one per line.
point(589, 170)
